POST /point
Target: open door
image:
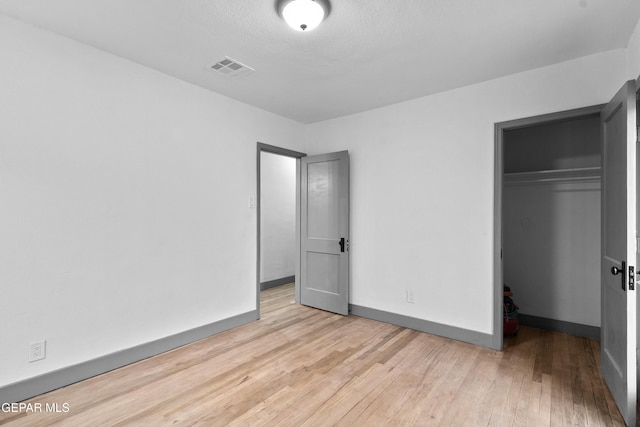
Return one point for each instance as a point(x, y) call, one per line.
point(618, 329)
point(324, 232)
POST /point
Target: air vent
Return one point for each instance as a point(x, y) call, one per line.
point(232, 68)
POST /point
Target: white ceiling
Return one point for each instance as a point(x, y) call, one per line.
point(367, 54)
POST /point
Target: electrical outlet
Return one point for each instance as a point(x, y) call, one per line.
point(37, 351)
point(410, 299)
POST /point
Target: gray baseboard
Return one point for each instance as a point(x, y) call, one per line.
point(446, 331)
point(277, 282)
point(570, 328)
point(35, 386)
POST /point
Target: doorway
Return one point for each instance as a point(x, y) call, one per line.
point(277, 203)
point(547, 175)
point(322, 266)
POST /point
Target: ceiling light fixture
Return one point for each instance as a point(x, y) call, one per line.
point(303, 15)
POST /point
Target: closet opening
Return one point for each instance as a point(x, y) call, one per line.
point(549, 221)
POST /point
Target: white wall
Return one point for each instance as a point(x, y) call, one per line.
point(124, 199)
point(277, 216)
point(422, 182)
point(552, 249)
point(633, 54)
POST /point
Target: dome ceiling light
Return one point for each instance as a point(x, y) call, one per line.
point(303, 15)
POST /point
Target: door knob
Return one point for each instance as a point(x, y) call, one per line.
point(622, 272)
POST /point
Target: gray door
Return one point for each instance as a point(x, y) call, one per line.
point(324, 232)
point(618, 329)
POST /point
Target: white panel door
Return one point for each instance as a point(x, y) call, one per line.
point(618, 329)
point(324, 231)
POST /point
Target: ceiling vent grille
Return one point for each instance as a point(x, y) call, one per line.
point(232, 68)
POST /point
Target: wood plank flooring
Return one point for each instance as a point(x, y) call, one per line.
point(303, 367)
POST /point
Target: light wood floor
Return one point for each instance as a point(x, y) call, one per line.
point(303, 367)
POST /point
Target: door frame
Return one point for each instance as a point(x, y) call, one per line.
point(266, 148)
point(498, 268)
point(637, 260)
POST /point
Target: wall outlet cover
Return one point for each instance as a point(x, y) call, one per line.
point(37, 351)
point(410, 298)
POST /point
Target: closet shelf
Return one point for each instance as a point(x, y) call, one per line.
point(553, 175)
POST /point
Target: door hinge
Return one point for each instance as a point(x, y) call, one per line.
point(632, 278)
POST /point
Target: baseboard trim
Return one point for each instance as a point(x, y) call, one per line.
point(570, 328)
point(276, 282)
point(38, 385)
point(433, 328)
